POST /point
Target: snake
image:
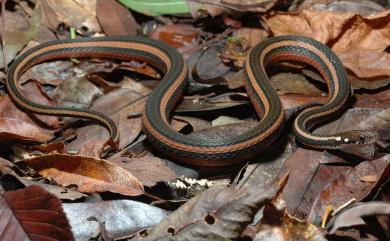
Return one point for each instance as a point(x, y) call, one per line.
point(193, 149)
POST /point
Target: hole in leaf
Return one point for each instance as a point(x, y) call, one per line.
point(143, 233)
point(84, 28)
point(387, 49)
point(171, 231)
point(209, 219)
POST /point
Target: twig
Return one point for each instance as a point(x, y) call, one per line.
point(2, 35)
point(343, 206)
point(328, 212)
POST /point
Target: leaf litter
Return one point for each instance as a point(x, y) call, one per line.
point(328, 194)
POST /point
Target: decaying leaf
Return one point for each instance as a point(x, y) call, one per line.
point(87, 173)
point(121, 218)
point(32, 214)
point(215, 214)
point(353, 215)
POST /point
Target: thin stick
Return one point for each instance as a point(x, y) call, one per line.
point(2, 35)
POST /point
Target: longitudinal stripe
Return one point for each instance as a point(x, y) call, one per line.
point(161, 102)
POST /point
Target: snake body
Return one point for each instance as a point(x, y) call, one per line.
point(161, 102)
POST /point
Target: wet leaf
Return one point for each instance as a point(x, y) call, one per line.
point(215, 214)
point(33, 214)
point(120, 217)
point(353, 216)
point(87, 173)
point(115, 19)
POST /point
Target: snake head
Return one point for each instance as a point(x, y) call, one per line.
point(357, 137)
point(359, 143)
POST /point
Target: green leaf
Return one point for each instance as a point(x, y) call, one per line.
point(157, 7)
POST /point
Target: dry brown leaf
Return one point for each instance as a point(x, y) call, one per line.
point(148, 169)
point(118, 104)
point(252, 35)
point(76, 14)
point(184, 37)
point(290, 101)
point(12, 181)
point(350, 185)
point(34, 92)
point(215, 214)
point(140, 68)
point(211, 103)
point(353, 216)
point(362, 7)
point(115, 18)
point(378, 99)
point(76, 92)
point(12, 129)
point(88, 185)
point(197, 124)
point(88, 173)
point(306, 178)
point(18, 32)
point(219, 7)
point(349, 35)
point(121, 218)
point(91, 141)
point(287, 229)
point(32, 214)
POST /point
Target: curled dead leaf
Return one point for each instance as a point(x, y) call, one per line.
point(350, 36)
point(87, 173)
